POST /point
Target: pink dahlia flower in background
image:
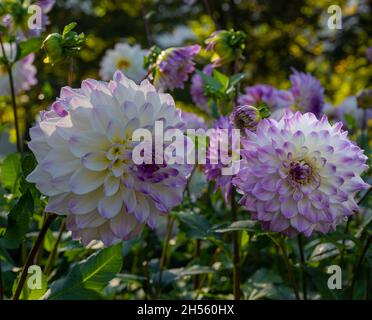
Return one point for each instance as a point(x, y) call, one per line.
point(300, 174)
point(83, 147)
point(24, 72)
point(173, 67)
point(262, 93)
point(215, 157)
point(197, 88)
point(193, 121)
point(307, 92)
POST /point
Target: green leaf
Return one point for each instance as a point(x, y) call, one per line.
point(28, 46)
point(264, 283)
point(28, 165)
point(196, 226)
point(235, 79)
point(248, 225)
point(10, 172)
point(90, 276)
point(18, 220)
point(68, 28)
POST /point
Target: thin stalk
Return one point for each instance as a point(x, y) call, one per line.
point(303, 273)
point(9, 66)
point(164, 251)
point(209, 12)
point(346, 231)
point(35, 248)
point(149, 291)
point(146, 23)
point(71, 74)
point(358, 265)
point(1, 284)
point(197, 254)
point(347, 226)
point(236, 252)
point(53, 254)
point(288, 264)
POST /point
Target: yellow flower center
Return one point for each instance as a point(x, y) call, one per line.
point(123, 63)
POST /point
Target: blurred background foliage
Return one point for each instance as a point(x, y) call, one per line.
point(281, 34)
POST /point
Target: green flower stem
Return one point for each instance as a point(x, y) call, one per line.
point(53, 254)
point(358, 266)
point(71, 74)
point(170, 223)
point(146, 23)
point(9, 66)
point(288, 264)
point(35, 248)
point(197, 255)
point(1, 284)
point(236, 253)
point(303, 263)
point(347, 226)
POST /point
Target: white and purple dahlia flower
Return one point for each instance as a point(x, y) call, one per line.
point(173, 67)
point(300, 174)
point(83, 146)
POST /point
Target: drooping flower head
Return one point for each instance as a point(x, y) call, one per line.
point(125, 58)
point(227, 45)
point(84, 148)
point(222, 148)
point(24, 72)
point(300, 174)
point(263, 93)
point(173, 67)
point(307, 92)
point(197, 88)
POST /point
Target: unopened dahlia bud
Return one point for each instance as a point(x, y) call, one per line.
point(364, 99)
point(245, 117)
point(59, 47)
point(248, 117)
point(53, 48)
point(227, 45)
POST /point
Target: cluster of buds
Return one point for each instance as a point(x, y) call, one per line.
point(227, 46)
point(59, 47)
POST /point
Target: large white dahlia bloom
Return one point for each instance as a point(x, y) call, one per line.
point(83, 146)
point(300, 174)
point(128, 59)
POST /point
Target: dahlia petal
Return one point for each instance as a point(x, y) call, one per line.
point(84, 181)
point(109, 207)
point(95, 161)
